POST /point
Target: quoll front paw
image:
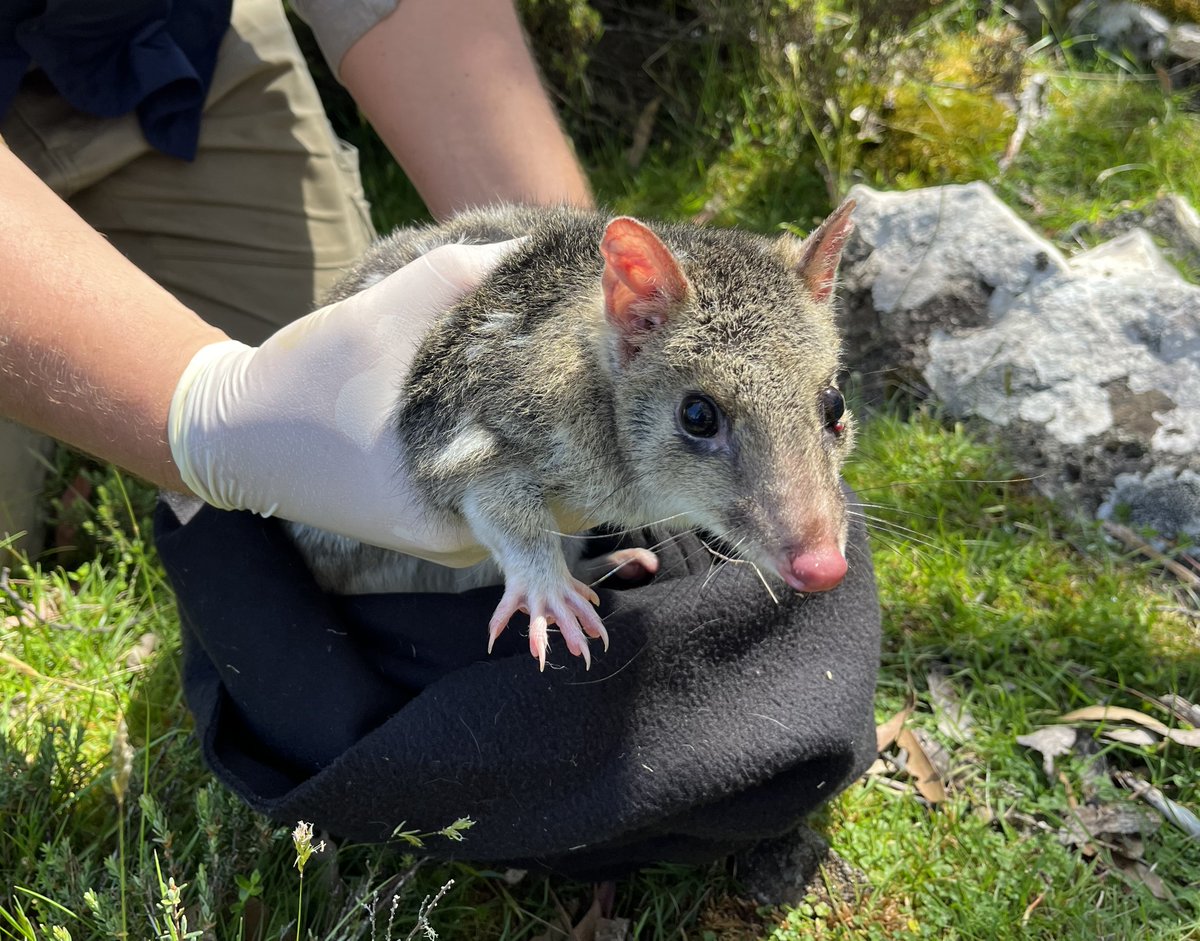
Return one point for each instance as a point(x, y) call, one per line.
point(568, 603)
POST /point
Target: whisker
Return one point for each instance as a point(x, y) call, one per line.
point(714, 569)
point(604, 679)
point(899, 541)
point(878, 526)
point(670, 538)
point(895, 528)
point(891, 485)
point(615, 532)
point(890, 509)
point(732, 561)
point(653, 548)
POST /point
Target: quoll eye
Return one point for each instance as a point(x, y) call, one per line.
point(699, 415)
point(833, 407)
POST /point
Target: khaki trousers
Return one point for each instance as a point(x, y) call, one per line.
point(251, 235)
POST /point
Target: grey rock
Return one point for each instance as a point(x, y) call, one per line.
point(1122, 28)
point(1170, 218)
point(1037, 16)
point(1087, 369)
point(1183, 41)
point(940, 258)
point(1162, 500)
point(1122, 313)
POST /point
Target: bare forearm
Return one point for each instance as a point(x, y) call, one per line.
point(453, 92)
point(90, 347)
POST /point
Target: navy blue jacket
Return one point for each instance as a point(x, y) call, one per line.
point(111, 57)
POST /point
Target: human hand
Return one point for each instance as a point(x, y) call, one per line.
point(300, 427)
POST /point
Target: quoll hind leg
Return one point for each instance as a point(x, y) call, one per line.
point(508, 514)
point(626, 565)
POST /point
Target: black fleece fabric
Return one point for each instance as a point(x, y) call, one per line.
point(718, 717)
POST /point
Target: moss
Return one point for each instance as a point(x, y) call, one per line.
point(1177, 11)
point(946, 123)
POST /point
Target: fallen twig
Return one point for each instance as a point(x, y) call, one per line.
point(1029, 111)
point(1133, 541)
point(1172, 812)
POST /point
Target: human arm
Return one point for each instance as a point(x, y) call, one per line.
point(452, 90)
point(90, 347)
point(96, 354)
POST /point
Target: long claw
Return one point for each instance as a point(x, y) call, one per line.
point(509, 605)
point(538, 641)
point(592, 625)
point(571, 606)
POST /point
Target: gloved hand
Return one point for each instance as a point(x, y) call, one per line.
point(300, 426)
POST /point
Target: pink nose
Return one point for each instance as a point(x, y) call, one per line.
point(814, 569)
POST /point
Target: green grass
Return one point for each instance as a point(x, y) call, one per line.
point(1030, 614)
point(1028, 611)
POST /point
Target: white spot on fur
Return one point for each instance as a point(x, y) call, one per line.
point(494, 332)
point(497, 321)
point(469, 446)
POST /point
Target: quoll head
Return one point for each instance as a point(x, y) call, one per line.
point(727, 354)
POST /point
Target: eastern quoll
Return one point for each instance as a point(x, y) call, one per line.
point(621, 372)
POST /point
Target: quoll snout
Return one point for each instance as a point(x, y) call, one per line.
point(818, 567)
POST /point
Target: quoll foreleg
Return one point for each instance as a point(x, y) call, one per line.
point(508, 515)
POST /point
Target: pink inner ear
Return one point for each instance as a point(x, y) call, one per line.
point(822, 250)
point(641, 277)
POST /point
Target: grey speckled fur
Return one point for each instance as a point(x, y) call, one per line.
point(519, 397)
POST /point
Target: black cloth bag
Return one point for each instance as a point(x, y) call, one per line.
point(717, 718)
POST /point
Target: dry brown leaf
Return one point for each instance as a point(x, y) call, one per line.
point(1114, 714)
point(935, 751)
point(612, 929)
point(921, 768)
point(1050, 742)
point(1137, 871)
point(886, 734)
point(595, 927)
point(1130, 845)
point(1129, 736)
point(585, 930)
point(1187, 737)
point(642, 132)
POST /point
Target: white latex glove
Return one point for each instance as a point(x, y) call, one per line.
point(300, 426)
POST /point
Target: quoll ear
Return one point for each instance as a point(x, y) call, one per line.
point(642, 280)
point(815, 260)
